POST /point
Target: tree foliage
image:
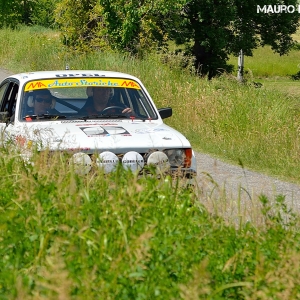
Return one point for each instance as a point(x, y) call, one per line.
point(210, 30)
point(42, 12)
point(139, 25)
point(129, 26)
point(81, 23)
point(214, 29)
point(11, 13)
point(28, 12)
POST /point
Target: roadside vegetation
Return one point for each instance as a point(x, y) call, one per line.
point(65, 236)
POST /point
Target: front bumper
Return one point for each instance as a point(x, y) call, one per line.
point(154, 161)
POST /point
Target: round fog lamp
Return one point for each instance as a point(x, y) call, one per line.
point(82, 163)
point(159, 160)
point(107, 161)
point(133, 160)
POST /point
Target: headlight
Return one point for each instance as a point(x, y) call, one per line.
point(176, 157)
point(179, 157)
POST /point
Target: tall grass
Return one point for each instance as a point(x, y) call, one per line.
point(28, 49)
point(240, 123)
point(66, 236)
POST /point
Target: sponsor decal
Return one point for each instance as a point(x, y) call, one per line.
point(149, 130)
point(80, 82)
point(96, 124)
point(79, 75)
point(102, 131)
point(35, 85)
point(130, 161)
point(130, 83)
point(79, 149)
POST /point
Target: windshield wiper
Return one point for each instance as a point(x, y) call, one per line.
point(103, 116)
point(44, 116)
point(54, 116)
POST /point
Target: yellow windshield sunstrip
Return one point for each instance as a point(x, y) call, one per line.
point(81, 82)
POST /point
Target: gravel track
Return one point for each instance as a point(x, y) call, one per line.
point(240, 188)
point(234, 191)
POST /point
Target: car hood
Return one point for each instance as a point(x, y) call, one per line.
point(117, 136)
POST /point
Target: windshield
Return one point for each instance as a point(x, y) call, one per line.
point(84, 98)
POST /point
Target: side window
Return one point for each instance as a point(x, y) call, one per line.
point(12, 100)
point(3, 94)
point(9, 98)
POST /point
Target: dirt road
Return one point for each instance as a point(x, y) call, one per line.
point(232, 190)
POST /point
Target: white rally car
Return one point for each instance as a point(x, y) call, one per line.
point(103, 138)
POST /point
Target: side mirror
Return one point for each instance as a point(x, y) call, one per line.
point(165, 112)
point(4, 116)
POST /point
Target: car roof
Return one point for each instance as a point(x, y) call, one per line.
point(24, 77)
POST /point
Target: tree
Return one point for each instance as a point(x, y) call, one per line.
point(214, 29)
point(211, 30)
point(139, 25)
point(208, 33)
point(130, 26)
point(27, 12)
point(42, 12)
point(82, 24)
point(10, 13)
